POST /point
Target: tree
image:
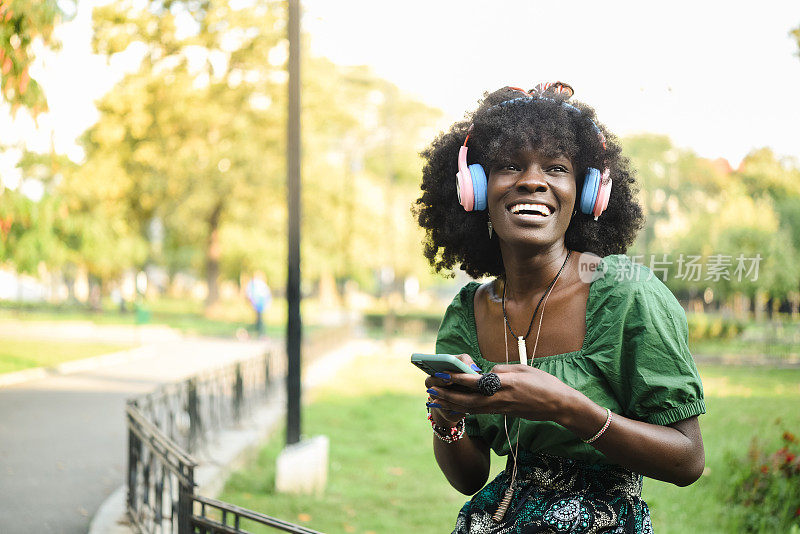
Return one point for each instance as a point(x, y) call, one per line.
point(702, 208)
point(674, 183)
point(197, 130)
point(363, 170)
point(197, 134)
point(21, 23)
point(28, 231)
point(762, 172)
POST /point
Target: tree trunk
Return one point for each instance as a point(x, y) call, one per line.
point(213, 254)
point(95, 293)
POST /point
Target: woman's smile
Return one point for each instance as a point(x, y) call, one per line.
point(531, 210)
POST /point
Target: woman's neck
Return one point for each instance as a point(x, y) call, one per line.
point(529, 275)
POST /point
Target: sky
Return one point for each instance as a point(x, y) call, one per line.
point(720, 78)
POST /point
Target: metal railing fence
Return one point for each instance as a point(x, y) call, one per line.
point(166, 427)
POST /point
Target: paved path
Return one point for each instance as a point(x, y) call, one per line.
point(62, 438)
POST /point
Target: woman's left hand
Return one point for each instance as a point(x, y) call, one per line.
point(524, 392)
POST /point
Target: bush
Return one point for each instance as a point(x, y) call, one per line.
point(766, 487)
point(406, 323)
point(703, 326)
point(732, 328)
point(698, 326)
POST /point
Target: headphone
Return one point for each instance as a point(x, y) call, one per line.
point(471, 179)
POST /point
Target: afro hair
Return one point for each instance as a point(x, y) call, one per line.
point(502, 124)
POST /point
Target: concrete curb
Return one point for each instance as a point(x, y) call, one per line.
point(234, 448)
point(110, 518)
point(75, 366)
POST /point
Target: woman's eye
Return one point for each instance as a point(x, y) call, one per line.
point(558, 168)
point(508, 167)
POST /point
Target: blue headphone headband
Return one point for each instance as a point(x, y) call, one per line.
point(528, 98)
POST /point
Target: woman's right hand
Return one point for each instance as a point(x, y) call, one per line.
point(441, 416)
point(465, 462)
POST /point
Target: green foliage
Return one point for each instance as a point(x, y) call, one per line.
point(697, 207)
point(406, 322)
point(742, 402)
point(796, 34)
point(762, 172)
point(705, 326)
point(765, 486)
point(30, 231)
point(21, 23)
point(195, 140)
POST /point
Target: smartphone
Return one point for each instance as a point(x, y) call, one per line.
point(440, 363)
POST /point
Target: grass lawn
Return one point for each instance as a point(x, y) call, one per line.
point(184, 315)
point(743, 403)
point(733, 349)
point(19, 354)
point(383, 478)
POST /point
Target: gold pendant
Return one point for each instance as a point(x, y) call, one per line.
point(523, 350)
point(504, 503)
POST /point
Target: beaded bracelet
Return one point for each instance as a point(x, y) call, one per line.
point(605, 426)
point(447, 434)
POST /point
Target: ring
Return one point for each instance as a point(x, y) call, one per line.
point(489, 384)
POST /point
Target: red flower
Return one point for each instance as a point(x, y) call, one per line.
point(797, 512)
point(764, 469)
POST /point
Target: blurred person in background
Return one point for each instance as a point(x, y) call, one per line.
point(259, 295)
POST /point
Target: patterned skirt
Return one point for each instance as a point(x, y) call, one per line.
point(554, 494)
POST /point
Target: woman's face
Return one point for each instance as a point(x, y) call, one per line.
point(531, 197)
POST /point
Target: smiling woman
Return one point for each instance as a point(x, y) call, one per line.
point(606, 391)
point(504, 128)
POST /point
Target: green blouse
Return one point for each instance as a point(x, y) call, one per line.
point(634, 360)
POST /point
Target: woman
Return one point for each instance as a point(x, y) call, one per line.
point(587, 380)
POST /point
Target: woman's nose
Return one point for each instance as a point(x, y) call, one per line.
point(533, 179)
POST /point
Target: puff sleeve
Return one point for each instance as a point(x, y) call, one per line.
point(656, 380)
point(455, 335)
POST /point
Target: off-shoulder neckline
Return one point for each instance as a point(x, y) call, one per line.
point(593, 288)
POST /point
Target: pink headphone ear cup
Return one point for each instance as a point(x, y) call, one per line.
point(602, 197)
point(466, 196)
point(466, 193)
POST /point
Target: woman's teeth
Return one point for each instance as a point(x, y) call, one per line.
point(530, 209)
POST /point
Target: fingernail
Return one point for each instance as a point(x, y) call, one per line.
point(443, 376)
point(433, 405)
point(433, 392)
point(476, 367)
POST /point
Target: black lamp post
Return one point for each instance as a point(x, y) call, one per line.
point(293, 325)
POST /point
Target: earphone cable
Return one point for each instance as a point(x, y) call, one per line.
point(514, 454)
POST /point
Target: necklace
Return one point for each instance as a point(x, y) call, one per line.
point(521, 347)
point(505, 502)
